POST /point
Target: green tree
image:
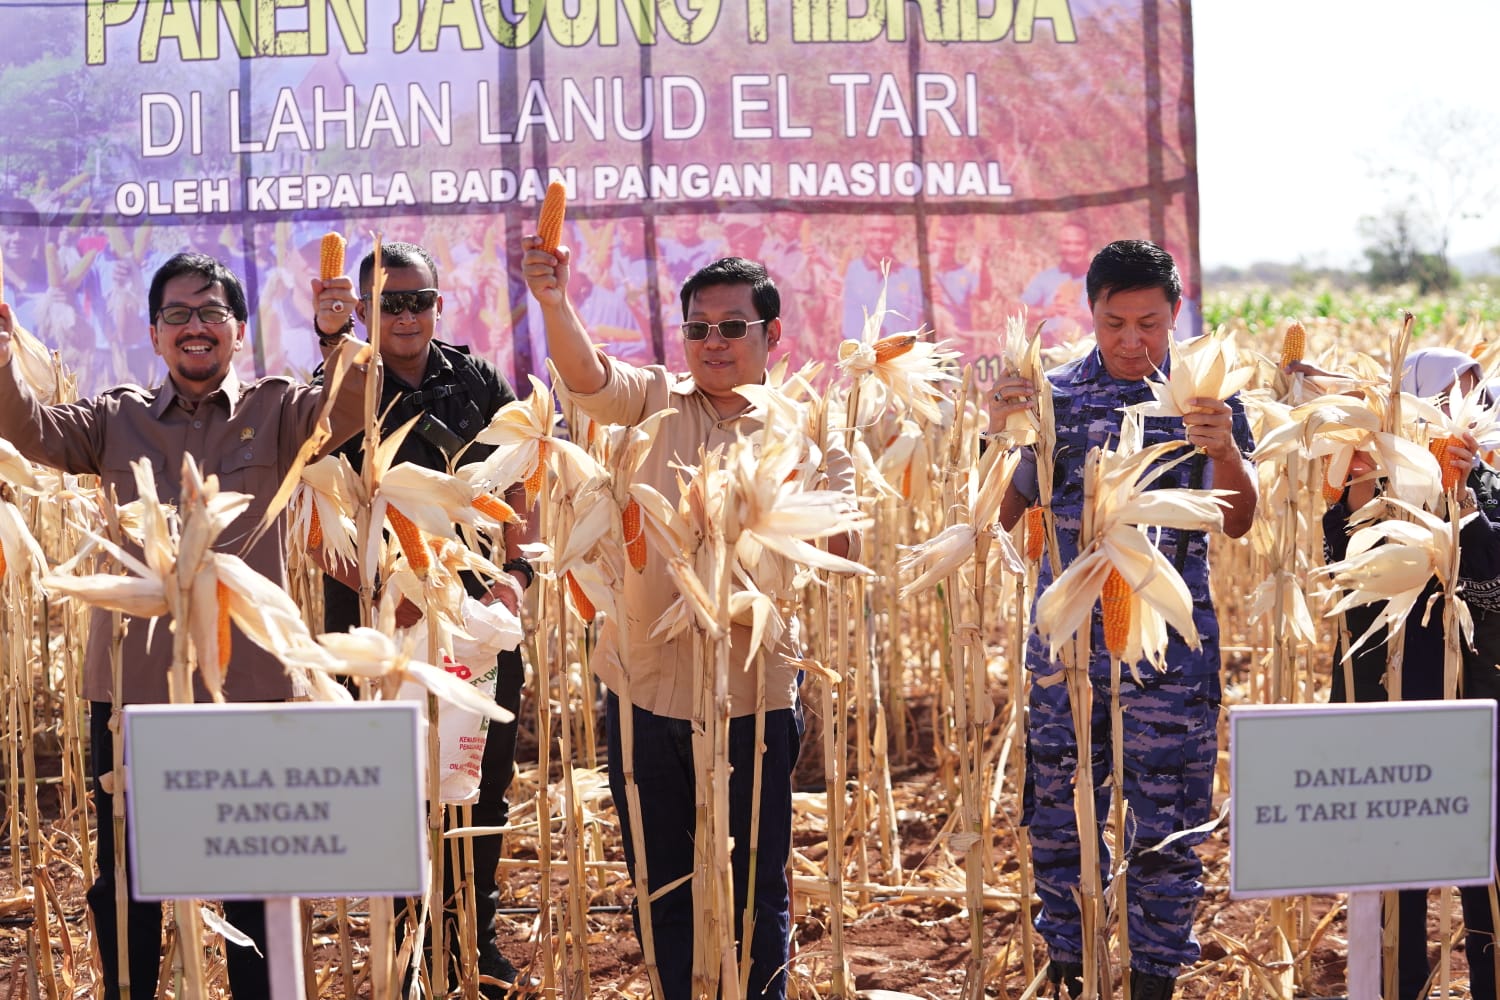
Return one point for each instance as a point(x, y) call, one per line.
point(1400, 250)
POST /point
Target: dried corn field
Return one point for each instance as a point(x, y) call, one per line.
point(910, 870)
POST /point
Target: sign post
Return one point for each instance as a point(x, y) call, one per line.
point(275, 802)
point(1359, 799)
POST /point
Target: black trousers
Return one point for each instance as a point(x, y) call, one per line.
point(667, 784)
point(248, 977)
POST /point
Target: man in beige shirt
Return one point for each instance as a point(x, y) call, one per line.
point(731, 321)
point(247, 434)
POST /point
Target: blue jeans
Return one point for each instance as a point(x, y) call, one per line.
point(665, 777)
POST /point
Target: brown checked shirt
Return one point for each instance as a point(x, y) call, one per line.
point(246, 434)
point(662, 671)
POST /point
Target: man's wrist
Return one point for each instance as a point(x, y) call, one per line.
point(330, 339)
point(520, 566)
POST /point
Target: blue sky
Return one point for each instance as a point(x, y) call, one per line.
point(1299, 100)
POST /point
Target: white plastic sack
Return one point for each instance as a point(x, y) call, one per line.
point(491, 628)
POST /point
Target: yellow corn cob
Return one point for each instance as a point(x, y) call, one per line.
point(314, 530)
point(635, 538)
point(549, 226)
point(1035, 533)
point(533, 482)
point(494, 508)
point(906, 481)
point(893, 346)
point(1332, 492)
point(331, 258)
point(223, 592)
point(2, 562)
point(1452, 472)
point(581, 602)
point(410, 537)
point(1115, 602)
point(1294, 344)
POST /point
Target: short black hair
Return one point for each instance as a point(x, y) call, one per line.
point(1130, 265)
point(736, 271)
point(395, 254)
point(212, 271)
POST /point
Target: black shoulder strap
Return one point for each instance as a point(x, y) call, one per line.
point(473, 378)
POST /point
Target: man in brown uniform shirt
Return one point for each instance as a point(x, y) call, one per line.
point(732, 319)
point(247, 434)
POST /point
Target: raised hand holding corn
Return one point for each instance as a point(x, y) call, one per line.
point(334, 298)
point(549, 224)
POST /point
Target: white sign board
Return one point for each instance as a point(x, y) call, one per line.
point(250, 801)
point(1338, 798)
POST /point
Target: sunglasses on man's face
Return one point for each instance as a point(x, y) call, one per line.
point(729, 329)
point(415, 302)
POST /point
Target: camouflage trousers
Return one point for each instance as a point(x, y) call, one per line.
point(1171, 746)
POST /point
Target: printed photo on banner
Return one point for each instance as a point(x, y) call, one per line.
point(849, 152)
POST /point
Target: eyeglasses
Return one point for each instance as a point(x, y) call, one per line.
point(415, 302)
point(210, 313)
point(729, 329)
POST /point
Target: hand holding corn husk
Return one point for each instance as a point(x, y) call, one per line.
point(1011, 410)
point(1204, 367)
point(1457, 431)
point(18, 345)
point(1204, 372)
point(1392, 561)
point(1117, 553)
point(1338, 427)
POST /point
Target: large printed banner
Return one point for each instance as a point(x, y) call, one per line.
point(981, 149)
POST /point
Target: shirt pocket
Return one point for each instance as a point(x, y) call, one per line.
point(249, 467)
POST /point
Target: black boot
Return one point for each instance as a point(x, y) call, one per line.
point(1066, 974)
point(508, 983)
point(1144, 986)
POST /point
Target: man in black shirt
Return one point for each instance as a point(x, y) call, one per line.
point(457, 394)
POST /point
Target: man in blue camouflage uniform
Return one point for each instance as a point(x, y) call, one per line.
point(1170, 718)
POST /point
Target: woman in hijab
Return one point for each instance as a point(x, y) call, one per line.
point(1433, 373)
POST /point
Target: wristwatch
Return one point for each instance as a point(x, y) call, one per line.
point(520, 565)
point(332, 339)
